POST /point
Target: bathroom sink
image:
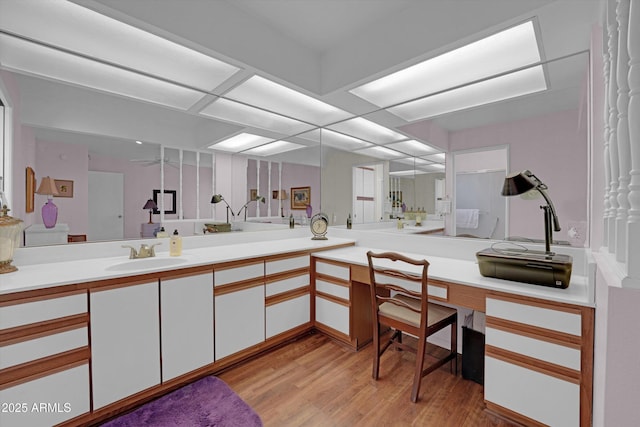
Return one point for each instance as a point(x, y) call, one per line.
point(145, 263)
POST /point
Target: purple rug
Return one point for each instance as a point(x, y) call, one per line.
point(206, 402)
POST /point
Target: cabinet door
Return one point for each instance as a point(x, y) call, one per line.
point(239, 320)
point(186, 307)
point(125, 341)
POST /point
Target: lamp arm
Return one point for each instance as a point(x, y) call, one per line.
point(541, 189)
point(229, 207)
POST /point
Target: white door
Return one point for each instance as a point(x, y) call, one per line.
point(106, 206)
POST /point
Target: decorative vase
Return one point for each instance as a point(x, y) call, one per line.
point(309, 211)
point(49, 214)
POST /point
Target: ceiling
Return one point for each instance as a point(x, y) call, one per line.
point(318, 48)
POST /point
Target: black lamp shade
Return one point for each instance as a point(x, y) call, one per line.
point(217, 198)
point(517, 183)
point(150, 205)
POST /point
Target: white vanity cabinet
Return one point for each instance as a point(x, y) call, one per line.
point(239, 306)
point(44, 359)
point(125, 340)
point(287, 290)
point(186, 312)
point(333, 298)
point(538, 357)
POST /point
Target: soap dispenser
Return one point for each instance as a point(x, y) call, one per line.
point(175, 244)
point(349, 222)
point(162, 233)
point(291, 221)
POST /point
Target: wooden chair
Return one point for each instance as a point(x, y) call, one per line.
point(399, 300)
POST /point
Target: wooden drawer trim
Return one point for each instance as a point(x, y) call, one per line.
point(285, 296)
point(512, 415)
point(238, 263)
point(187, 272)
point(536, 302)
point(533, 364)
point(333, 280)
point(333, 262)
point(238, 286)
point(26, 297)
point(332, 298)
point(360, 274)
point(280, 257)
point(124, 282)
point(42, 367)
point(41, 329)
point(535, 332)
point(286, 275)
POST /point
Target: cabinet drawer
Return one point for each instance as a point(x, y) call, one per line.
point(335, 316)
point(285, 285)
point(39, 311)
point(287, 264)
point(26, 351)
point(565, 321)
point(238, 274)
point(332, 289)
point(541, 397)
point(539, 349)
point(64, 395)
point(287, 315)
point(333, 270)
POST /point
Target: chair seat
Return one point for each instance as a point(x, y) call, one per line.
point(436, 312)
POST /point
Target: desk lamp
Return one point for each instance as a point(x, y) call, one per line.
point(217, 198)
point(257, 199)
point(522, 182)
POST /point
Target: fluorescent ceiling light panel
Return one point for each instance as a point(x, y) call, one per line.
point(272, 148)
point(30, 58)
point(367, 130)
point(507, 50)
point(413, 161)
point(85, 31)
point(409, 172)
point(438, 158)
point(434, 167)
point(333, 139)
point(240, 142)
point(279, 99)
point(519, 83)
point(412, 147)
point(249, 116)
point(380, 152)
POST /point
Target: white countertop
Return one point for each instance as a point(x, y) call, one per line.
point(467, 273)
point(45, 275)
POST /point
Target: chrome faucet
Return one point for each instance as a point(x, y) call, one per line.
point(145, 251)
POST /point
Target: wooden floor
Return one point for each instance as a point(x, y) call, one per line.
point(316, 382)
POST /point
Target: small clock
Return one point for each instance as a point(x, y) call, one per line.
point(319, 225)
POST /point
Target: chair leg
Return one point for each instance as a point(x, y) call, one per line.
point(454, 347)
point(417, 376)
point(376, 350)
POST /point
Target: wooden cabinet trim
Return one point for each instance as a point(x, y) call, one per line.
point(31, 331)
point(285, 296)
point(332, 298)
point(360, 274)
point(536, 302)
point(535, 332)
point(186, 272)
point(238, 286)
point(551, 369)
point(42, 367)
point(34, 296)
point(333, 262)
point(237, 263)
point(123, 282)
point(334, 280)
point(276, 277)
point(510, 415)
point(288, 255)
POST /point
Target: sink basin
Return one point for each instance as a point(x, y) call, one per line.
point(146, 263)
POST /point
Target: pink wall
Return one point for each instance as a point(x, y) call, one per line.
point(549, 146)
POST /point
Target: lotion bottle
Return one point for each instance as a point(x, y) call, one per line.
point(349, 222)
point(291, 221)
point(175, 244)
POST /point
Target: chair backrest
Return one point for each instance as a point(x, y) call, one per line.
point(394, 277)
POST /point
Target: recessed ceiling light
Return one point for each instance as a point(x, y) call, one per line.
point(235, 112)
point(380, 152)
point(31, 58)
point(240, 142)
point(272, 148)
point(279, 99)
point(412, 147)
point(139, 142)
point(440, 157)
point(519, 83)
point(334, 139)
point(507, 50)
point(90, 33)
point(367, 130)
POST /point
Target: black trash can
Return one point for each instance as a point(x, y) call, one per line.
point(472, 355)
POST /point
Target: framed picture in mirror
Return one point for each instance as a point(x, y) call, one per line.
point(168, 201)
point(300, 197)
point(30, 189)
point(64, 187)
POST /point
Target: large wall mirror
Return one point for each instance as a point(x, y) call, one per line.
point(366, 162)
